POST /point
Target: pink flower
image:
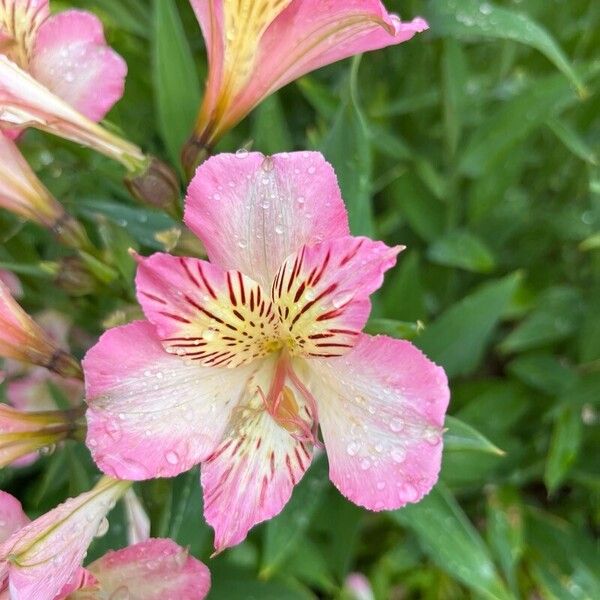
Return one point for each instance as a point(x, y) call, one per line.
point(256, 47)
point(243, 358)
point(42, 560)
point(58, 74)
point(359, 587)
point(23, 433)
point(21, 338)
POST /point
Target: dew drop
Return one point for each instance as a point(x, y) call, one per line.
point(301, 200)
point(242, 153)
point(242, 244)
point(398, 455)
point(48, 450)
point(209, 334)
point(278, 229)
point(342, 299)
point(121, 593)
point(396, 424)
point(311, 170)
point(365, 463)
point(114, 430)
point(310, 294)
point(172, 457)
point(352, 448)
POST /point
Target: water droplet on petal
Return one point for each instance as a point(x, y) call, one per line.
point(278, 229)
point(209, 334)
point(352, 448)
point(172, 457)
point(242, 153)
point(365, 463)
point(48, 450)
point(310, 294)
point(311, 170)
point(114, 430)
point(396, 424)
point(121, 593)
point(398, 455)
point(342, 299)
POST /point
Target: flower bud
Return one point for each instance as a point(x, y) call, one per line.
point(22, 433)
point(156, 185)
point(21, 338)
point(194, 153)
point(73, 277)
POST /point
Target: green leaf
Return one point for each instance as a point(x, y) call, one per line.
point(284, 532)
point(348, 148)
point(573, 141)
point(458, 339)
point(555, 318)
point(398, 329)
point(564, 446)
point(544, 372)
point(464, 250)
point(461, 436)
point(473, 19)
point(270, 129)
point(452, 542)
point(176, 85)
point(402, 295)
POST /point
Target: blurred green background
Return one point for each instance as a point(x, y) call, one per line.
point(475, 145)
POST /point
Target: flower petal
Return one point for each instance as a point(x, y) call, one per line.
point(207, 315)
point(322, 293)
point(152, 414)
point(152, 570)
point(71, 58)
point(251, 212)
point(57, 542)
point(249, 478)
point(12, 517)
point(381, 408)
point(19, 23)
point(310, 34)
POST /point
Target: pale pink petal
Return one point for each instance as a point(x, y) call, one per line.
point(12, 282)
point(71, 58)
point(82, 578)
point(310, 34)
point(207, 315)
point(56, 543)
point(250, 476)
point(32, 392)
point(322, 293)
point(252, 212)
point(150, 413)
point(138, 521)
point(12, 517)
point(19, 23)
point(157, 569)
point(381, 408)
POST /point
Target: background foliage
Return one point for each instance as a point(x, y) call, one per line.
point(476, 145)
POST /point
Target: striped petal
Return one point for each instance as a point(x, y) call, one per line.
point(19, 23)
point(250, 476)
point(152, 414)
point(322, 293)
point(206, 315)
point(252, 212)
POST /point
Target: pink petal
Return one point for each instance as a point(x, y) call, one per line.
point(12, 517)
point(12, 282)
point(56, 543)
point(207, 315)
point(72, 59)
point(32, 392)
point(250, 476)
point(157, 569)
point(150, 413)
point(19, 23)
point(381, 408)
point(138, 521)
point(322, 293)
point(252, 212)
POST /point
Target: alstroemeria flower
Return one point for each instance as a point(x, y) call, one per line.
point(58, 74)
point(243, 358)
point(55, 544)
point(25, 432)
point(21, 338)
point(154, 569)
point(256, 47)
point(22, 193)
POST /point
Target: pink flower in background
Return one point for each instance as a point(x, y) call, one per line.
point(22, 339)
point(42, 560)
point(256, 47)
point(242, 359)
point(11, 281)
point(359, 587)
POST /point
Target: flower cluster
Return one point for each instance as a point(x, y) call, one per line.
point(245, 363)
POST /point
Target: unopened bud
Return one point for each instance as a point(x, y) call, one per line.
point(74, 278)
point(194, 153)
point(157, 185)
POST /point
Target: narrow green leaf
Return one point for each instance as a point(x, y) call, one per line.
point(348, 148)
point(399, 329)
point(473, 19)
point(452, 542)
point(464, 250)
point(461, 436)
point(270, 129)
point(564, 446)
point(573, 141)
point(458, 339)
point(176, 85)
